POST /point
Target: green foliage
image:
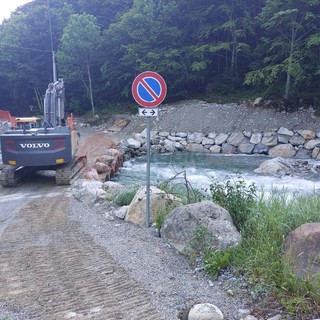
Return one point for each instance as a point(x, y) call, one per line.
point(199, 243)
point(161, 215)
point(235, 196)
point(124, 198)
point(79, 42)
point(197, 46)
point(260, 253)
point(217, 260)
point(200, 239)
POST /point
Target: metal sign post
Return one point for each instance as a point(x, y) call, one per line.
point(148, 173)
point(149, 90)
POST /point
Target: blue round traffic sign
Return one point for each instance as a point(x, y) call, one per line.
point(149, 89)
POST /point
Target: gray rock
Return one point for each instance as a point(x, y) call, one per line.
point(282, 150)
point(277, 317)
point(136, 212)
point(207, 141)
point(181, 224)
point(195, 137)
point(307, 134)
point(258, 101)
point(276, 166)
point(312, 144)
point(163, 134)
point(181, 134)
point(237, 138)
point(221, 138)
point(244, 312)
point(247, 134)
point(169, 145)
point(215, 149)
point(303, 154)
point(121, 212)
point(195, 147)
point(133, 143)
point(249, 317)
point(179, 146)
point(315, 152)
point(285, 132)
point(205, 311)
point(246, 148)
point(228, 149)
point(173, 138)
point(212, 135)
point(141, 138)
point(270, 140)
point(256, 138)
point(302, 252)
point(297, 140)
point(283, 139)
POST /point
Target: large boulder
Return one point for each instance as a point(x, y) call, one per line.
point(282, 150)
point(181, 224)
point(278, 166)
point(159, 200)
point(302, 251)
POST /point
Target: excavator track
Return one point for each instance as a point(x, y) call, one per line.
point(68, 173)
point(10, 176)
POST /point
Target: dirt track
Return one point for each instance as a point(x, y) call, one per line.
point(51, 269)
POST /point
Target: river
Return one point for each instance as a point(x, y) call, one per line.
point(202, 168)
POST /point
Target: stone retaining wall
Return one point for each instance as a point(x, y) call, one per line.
point(281, 142)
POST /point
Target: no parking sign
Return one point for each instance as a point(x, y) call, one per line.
point(149, 89)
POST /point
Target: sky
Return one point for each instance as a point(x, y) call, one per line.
point(7, 6)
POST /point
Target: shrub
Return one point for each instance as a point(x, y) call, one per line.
point(235, 196)
point(125, 197)
point(217, 260)
point(160, 216)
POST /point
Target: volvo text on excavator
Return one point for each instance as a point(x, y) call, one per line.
point(34, 144)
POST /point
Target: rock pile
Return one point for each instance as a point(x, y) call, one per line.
point(280, 142)
point(105, 166)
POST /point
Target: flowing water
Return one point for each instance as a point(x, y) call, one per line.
point(202, 168)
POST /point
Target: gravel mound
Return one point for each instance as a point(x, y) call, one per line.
point(200, 116)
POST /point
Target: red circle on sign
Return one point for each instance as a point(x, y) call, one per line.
point(140, 80)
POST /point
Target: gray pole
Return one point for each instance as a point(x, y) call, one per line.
point(148, 173)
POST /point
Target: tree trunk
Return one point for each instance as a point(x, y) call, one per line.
point(90, 90)
point(288, 81)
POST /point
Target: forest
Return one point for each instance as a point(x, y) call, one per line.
point(202, 48)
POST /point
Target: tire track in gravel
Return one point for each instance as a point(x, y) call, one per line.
point(52, 270)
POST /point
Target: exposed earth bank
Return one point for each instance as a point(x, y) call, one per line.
point(200, 116)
